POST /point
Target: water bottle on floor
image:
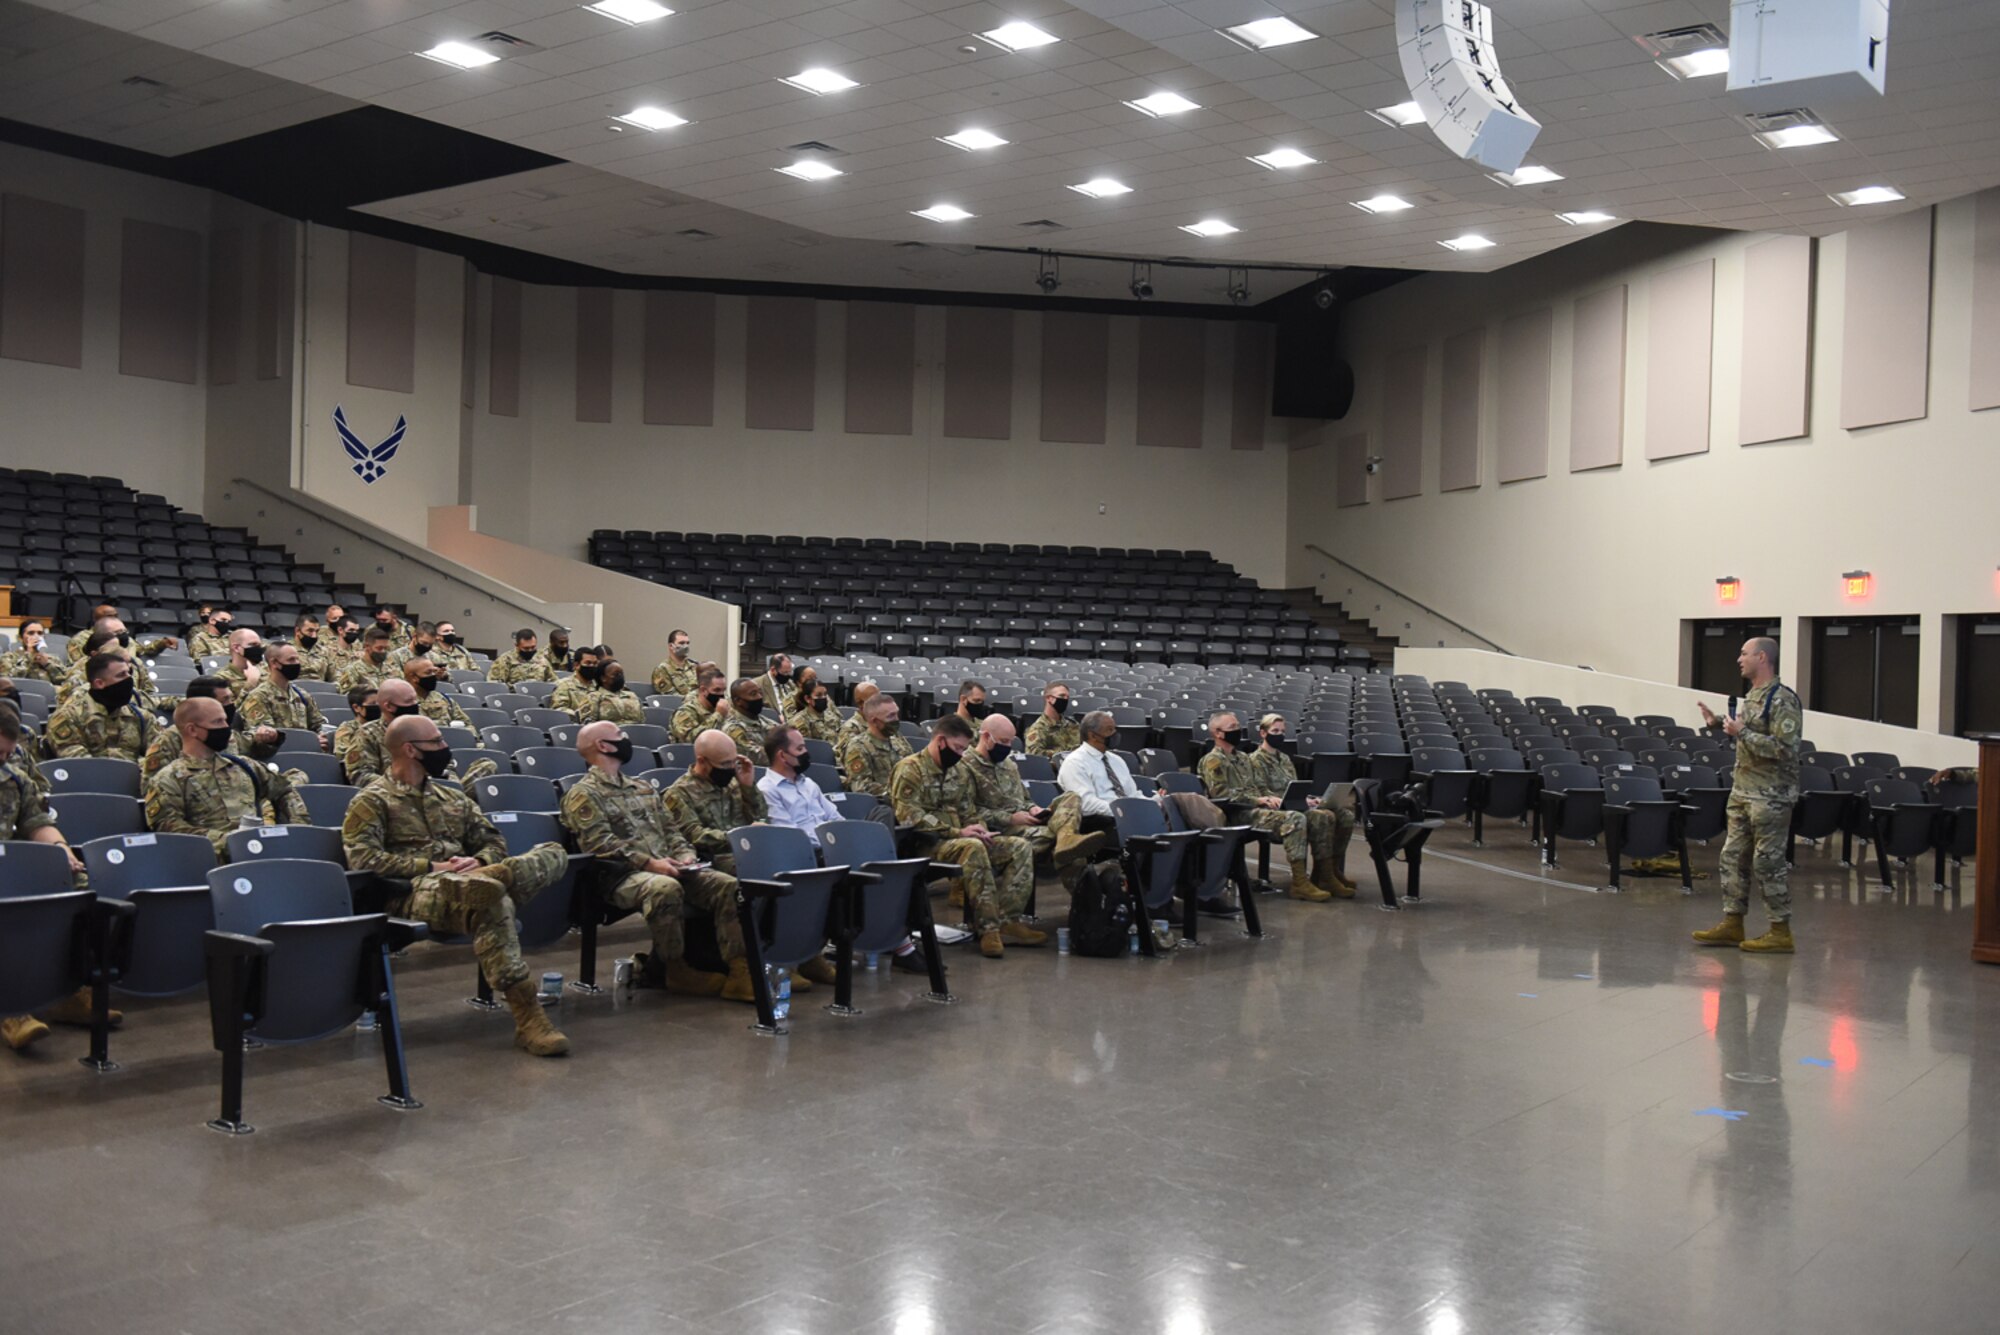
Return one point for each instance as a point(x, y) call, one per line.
point(781, 993)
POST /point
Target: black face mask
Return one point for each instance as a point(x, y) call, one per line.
point(115, 696)
point(750, 708)
point(713, 700)
point(1060, 704)
point(253, 653)
point(217, 739)
point(454, 640)
point(222, 625)
point(819, 705)
point(781, 676)
point(235, 719)
point(621, 750)
point(420, 649)
point(350, 636)
point(436, 763)
point(721, 778)
point(124, 639)
point(558, 646)
point(1234, 736)
point(307, 641)
point(797, 762)
point(384, 622)
point(526, 654)
point(589, 671)
point(376, 656)
point(1274, 738)
point(369, 713)
point(291, 671)
point(998, 755)
point(978, 710)
point(615, 683)
point(1110, 741)
point(425, 685)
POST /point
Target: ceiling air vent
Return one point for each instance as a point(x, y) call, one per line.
point(695, 234)
point(1044, 225)
point(815, 146)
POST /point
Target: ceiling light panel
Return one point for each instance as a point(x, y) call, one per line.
point(1383, 204)
point(1208, 227)
point(1697, 52)
point(809, 170)
point(630, 12)
point(1263, 34)
point(1102, 187)
point(459, 55)
point(1587, 217)
point(1402, 115)
point(1526, 176)
point(944, 213)
point(1018, 37)
point(820, 81)
point(1867, 194)
point(973, 140)
point(1281, 159)
point(1163, 104)
point(1470, 241)
point(651, 118)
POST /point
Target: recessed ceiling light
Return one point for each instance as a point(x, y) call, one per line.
point(944, 213)
point(1695, 52)
point(1697, 64)
point(1796, 136)
point(1868, 194)
point(1163, 104)
point(1585, 217)
point(1018, 36)
point(819, 82)
point(459, 55)
point(808, 170)
point(651, 118)
point(1264, 33)
point(1401, 115)
point(630, 11)
point(1383, 204)
point(1102, 187)
point(972, 139)
point(1526, 176)
point(1470, 241)
point(1208, 227)
point(1283, 157)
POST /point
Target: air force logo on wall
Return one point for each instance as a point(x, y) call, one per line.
point(370, 461)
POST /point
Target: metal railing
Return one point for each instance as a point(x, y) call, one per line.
point(1318, 550)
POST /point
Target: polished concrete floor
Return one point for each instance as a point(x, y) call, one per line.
point(1520, 1107)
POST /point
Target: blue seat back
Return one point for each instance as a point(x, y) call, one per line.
point(545, 919)
point(247, 896)
point(549, 762)
point(326, 803)
point(29, 869)
point(317, 977)
point(165, 876)
point(1158, 869)
point(43, 956)
point(318, 843)
point(856, 806)
point(884, 907)
point(317, 768)
point(85, 816)
point(794, 928)
point(122, 863)
point(516, 792)
point(1035, 767)
point(92, 774)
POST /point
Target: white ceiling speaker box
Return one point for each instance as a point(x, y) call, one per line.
point(1796, 53)
point(1451, 69)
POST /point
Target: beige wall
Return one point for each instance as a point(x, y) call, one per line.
point(93, 419)
point(726, 477)
point(1601, 567)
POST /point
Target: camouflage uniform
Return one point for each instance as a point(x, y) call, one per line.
point(319, 663)
point(749, 733)
point(205, 797)
point(360, 672)
point(819, 727)
point(705, 814)
point(672, 678)
point(571, 692)
point(1312, 838)
point(144, 689)
point(24, 807)
point(510, 669)
point(999, 792)
point(399, 632)
point(392, 666)
point(345, 736)
point(396, 830)
point(82, 727)
point(624, 707)
point(1765, 788)
point(366, 758)
point(166, 749)
point(239, 679)
point(1962, 774)
point(441, 709)
point(559, 664)
point(942, 802)
point(693, 718)
point(32, 666)
point(454, 658)
point(1053, 739)
point(205, 643)
point(278, 703)
point(624, 820)
point(869, 763)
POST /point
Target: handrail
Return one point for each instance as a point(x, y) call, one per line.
point(1432, 611)
point(387, 540)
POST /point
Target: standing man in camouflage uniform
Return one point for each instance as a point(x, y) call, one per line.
point(460, 878)
point(706, 708)
point(524, 664)
point(278, 702)
point(933, 793)
point(1275, 772)
point(580, 685)
point(612, 702)
point(1000, 798)
point(260, 743)
point(207, 791)
point(871, 757)
point(28, 661)
point(676, 674)
point(1053, 734)
point(1229, 777)
point(104, 720)
point(751, 716)
point(1766, 787)
point(623, 820)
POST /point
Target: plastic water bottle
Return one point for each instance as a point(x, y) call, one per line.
point(873, 961)
point(367, 1024)
point(781, 993)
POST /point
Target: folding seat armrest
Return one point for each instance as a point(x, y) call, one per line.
point(941, 871)
point(401, 933)
point(757, 889)
point(113, 920)
point(222, 945)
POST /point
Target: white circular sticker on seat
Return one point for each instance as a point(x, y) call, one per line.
point(241, 885)
point(255, 846)
point(114, 856)
point(63, 774)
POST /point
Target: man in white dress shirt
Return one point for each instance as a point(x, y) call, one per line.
point(1095, 773)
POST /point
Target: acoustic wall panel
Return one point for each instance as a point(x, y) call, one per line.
point(1525, 342)
point(978, 372)
point(1350, 470)
point(1303, 433)
point(1172, 382)
point(271, 300)
point(1597, 381)
point(1458, 421)
point(881, 367)
point(1777, 340)
point(41, 281)
point(782, 343)
point(1250, 385)
point(1985, 379)
point(1403, 383)
point(679, 370)
point(381, 313)
point(503, 350)
point(159, 301)
point(225, 304)
point(468, 338)
point(1680, 342)
point(593, 354)
point(1885, 338)
point(1076, 364)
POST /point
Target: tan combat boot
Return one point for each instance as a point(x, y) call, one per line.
point(533, 1033)
point(1078, 847)
point(990, 944)
point(819, 969)
point(1331, 881)
point(957, 896)
point(739, 986)
point(683, 981)
point(1018, 933)
point(18, 1031)
point(1777, 939)
point(1303, 888)
point(75, 1009)
point(1728, 932)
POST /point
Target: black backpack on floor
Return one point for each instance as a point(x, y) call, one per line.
point(1100, 912)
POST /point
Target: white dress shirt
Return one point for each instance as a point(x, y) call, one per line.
point(1088, 773)
point(798, 803)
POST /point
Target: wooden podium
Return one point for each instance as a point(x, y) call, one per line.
point(1986, 864)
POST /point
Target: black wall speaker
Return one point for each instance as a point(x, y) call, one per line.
point(1308, 376)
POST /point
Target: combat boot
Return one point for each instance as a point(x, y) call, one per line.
point(1303, 888)
point(957, 896)
point(1078, 847)
point(75, 1009)
point(533, 1033)
point(739, 986)
point(1331, 881)
point(819, 969)
point(18, 1031)
point(1777, 939)
point(682, 981)
point(1020, 934)
point(1728, 932)
point(990, 944)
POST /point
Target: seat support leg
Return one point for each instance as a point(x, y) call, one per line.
point(391, 1024)
point(753, 957)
